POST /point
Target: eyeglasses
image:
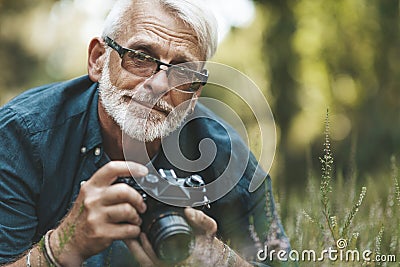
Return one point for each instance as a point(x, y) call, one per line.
point(183, 77)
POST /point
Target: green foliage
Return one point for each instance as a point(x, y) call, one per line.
point(363, 222)
point(378, 242)
point(352, 213)
point(325, 188)
point(395, 173)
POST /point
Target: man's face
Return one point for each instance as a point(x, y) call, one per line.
point(144, 107)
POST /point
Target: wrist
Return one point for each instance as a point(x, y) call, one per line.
point(48, 251)
point(63, 251)
point(229, 258)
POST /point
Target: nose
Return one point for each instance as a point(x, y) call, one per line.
point(158, 83)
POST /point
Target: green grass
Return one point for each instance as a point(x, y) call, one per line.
point(333, 207)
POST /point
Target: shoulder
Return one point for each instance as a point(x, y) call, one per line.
point(205, 123)
point(231, 140)
point(47, 106)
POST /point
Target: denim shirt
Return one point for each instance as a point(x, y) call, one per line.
point(50, 140)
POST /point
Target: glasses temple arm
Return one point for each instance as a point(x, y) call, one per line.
point(111, 43)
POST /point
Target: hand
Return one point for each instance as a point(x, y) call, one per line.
point(204, 227)
point(209, 251)
point(208, 248)
point(103, 212)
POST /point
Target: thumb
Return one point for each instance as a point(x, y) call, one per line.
point(200, 221)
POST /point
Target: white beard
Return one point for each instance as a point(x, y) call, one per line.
point(136, 121)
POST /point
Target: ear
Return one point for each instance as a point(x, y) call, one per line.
point(96, 59)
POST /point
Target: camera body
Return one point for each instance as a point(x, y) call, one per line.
point(165, 225)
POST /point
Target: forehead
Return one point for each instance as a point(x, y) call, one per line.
point(149, 24)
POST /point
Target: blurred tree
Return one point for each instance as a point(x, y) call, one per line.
point(378, 119)
point(20, 67)
point(8, 7)
point(281, 59)
point(344, 55)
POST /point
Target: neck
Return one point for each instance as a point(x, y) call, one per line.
point(118, 148)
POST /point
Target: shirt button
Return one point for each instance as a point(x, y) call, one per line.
point(97, 151)
point(83, 150)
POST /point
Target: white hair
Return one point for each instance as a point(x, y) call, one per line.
point(192, 12)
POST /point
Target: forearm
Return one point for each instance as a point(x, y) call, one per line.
point(42, 255)
point(35, 257)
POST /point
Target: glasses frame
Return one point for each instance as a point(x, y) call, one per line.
point(123, 50)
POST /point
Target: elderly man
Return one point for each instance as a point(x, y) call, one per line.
point(63, 150)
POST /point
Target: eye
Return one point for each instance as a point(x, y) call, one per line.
point(180, 73)
point(138, 59)
point(139, 56)
point(181, 78)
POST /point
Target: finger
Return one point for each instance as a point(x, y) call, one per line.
point(148, 248)
point(138, 252)
point(122, 193)
point(118, 231)
point(200, 221)
point(123, 212)
point(107, 174)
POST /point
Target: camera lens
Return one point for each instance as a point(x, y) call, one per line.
point(172, 238)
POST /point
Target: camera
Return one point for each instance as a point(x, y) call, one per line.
point(165, 225)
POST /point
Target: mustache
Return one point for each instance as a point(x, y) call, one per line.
point(149, 99)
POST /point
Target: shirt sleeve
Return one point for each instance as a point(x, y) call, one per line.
point(19, 185)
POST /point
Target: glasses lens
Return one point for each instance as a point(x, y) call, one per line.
point(139, 64)
point(185, 77)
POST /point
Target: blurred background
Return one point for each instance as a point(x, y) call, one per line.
point(305, 55)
